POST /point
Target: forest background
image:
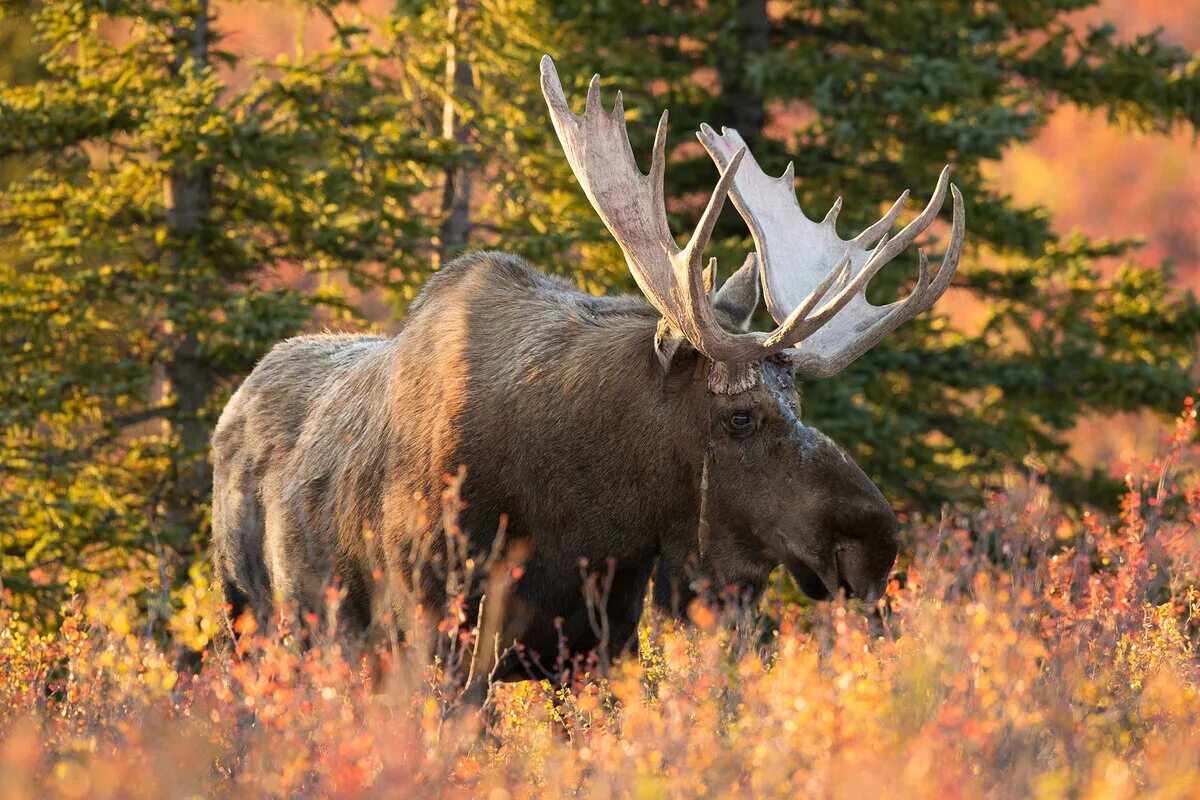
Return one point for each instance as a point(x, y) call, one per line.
point(189, 182)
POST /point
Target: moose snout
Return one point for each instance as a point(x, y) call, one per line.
point(857, 564)
point(853, 545)
point(865, 561)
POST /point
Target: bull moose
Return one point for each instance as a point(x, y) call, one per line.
point(638, 434)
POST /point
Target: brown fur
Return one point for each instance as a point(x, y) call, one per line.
point(332, 458)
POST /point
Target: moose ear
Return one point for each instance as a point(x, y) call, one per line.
point(739, 296)
point(667, 344)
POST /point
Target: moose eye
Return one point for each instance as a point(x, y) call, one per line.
point(739, 423)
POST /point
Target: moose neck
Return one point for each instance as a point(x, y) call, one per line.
point(614, 445)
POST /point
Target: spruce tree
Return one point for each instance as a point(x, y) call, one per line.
point(471, 68)
point(148, 254)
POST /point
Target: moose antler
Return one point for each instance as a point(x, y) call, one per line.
point(633, 208)
point(796, 254)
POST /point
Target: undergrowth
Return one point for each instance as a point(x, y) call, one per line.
point(1021, 651)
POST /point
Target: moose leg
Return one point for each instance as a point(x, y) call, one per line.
point(673, 580)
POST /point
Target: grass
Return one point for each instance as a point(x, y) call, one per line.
point(1021, 652)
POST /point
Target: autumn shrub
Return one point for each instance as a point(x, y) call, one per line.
point(1021, 651)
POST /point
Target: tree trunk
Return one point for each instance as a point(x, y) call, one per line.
point(190, 380)
point(460, 89)
point(743, 104)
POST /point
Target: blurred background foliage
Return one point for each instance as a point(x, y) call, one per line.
point(188, 182)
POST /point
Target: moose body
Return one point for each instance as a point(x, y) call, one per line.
point(605, 435)
point(332, 458)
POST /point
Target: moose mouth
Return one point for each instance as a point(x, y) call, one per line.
point(820, 586)
point(810, 582)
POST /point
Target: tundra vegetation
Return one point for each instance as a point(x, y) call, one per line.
point(1021, 651)
point(176, 201)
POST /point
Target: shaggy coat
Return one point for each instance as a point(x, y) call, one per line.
point(331, 461)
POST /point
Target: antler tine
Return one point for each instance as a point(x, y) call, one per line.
point(901, 241)
point(949, 265)
point(927, 292)
point(716, 204)
point(874, 232)
point(851, 290)
point(886, 250)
